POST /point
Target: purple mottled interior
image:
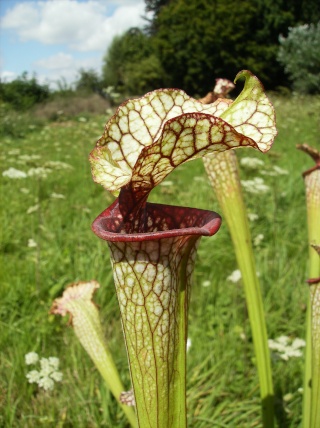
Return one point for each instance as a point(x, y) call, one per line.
point(161, 221)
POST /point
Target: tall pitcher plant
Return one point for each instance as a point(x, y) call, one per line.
point(223, 173)
point(152, 246)
point(311, 404)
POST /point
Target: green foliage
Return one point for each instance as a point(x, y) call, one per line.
point(130, 65)
point(23, 92)
point(208, 40)
point(143, 76)
point(17, 124)
point(88, 81)
point(299, 53)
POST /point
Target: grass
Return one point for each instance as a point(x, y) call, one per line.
point(222, 380)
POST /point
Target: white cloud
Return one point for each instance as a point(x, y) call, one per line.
point(82, 26)
point(7, 76)
point(54, 67)
point(59, 61)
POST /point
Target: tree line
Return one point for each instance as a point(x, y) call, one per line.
point(187, 44)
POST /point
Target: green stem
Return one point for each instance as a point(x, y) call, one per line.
point(306, 405)
point(184, 297)
point(224, 176)
point(313, 337)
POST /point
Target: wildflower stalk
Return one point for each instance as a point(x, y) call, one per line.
point(311, 402)
point(152, 246)
point(224, 176)
point(77, 301)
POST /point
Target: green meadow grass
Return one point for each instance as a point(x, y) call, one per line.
point(223, 388)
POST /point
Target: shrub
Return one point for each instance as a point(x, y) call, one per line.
point(23, 92)
point(299, 54)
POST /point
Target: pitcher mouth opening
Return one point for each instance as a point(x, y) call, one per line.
point(161, 221)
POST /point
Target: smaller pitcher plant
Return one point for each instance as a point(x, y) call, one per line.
point(152, 246)
point(311, 404)
point(224, 176)
point(84, 318)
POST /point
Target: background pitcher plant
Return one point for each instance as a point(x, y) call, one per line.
point(224, 176)
point(311, 411)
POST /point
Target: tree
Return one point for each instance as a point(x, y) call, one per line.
point(299, 54)
point(130, 65)
point(199, 40)
point(88, 81)
point(207, 40)
point(23, 92)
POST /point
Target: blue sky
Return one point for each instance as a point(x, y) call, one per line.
point(55, 38)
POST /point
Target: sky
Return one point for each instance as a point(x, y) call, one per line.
point(55, 38)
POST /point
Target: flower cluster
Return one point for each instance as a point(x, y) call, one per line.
point(286, 347)
point(14, 173)
point(38, 171)
point(275, 171)
point(235, 276)
point(258, 239)
point(256, 185)
point(48, 373)
point(251, 163)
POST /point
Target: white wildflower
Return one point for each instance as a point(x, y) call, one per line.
point(54, 363)
point(280, 171)
point(253, 216)
point(32, 244)
point(57, 165)
point(276, 346)
point(298, 343)
point(188, 343)
point(243, 336)
point(24, 190)
point(33, 376)
point(14, 152)
point(82, 119)
point(235, 276)
point(255, 186)
point(46, 383)
point(276, 170)
point(39, 171)
point(31, 357)
point(284, 340)
point(166, 183)
point(251, 163)
point(14, 173)
point(258, 239)
point(56, 376)
point(48, 373)
point(33, 209)
point(287, 397)
point(46, 368)
point(285, 349)
point(27, 158)
point(57, 196)
point(206, 283)
point(290, 352)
